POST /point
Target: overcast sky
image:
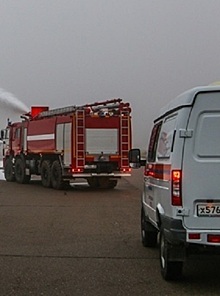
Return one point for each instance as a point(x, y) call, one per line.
point(71, 52)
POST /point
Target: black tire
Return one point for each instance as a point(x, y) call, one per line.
point(56, 175)
point(9, 171)
point(93, 182)
point(170, 270)
point(106, 183)
point(46, 173)
point(112, 184)
point(20, 174)
point(148, 233)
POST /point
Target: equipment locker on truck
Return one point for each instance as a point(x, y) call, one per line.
point(90, 141)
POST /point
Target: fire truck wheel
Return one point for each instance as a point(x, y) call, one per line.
point(20, 175)
point(46, 173)
point(56, 175)
point(112, 183)
point(9, 171)
point(93, 182)
point(106, 183)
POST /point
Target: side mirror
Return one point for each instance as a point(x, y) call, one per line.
point(134, 158)
point(2, 134)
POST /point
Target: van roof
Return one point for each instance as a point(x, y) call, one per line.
point(186, 99)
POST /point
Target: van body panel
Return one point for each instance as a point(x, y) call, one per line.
point(168, 155)
point(186, 137)
point(181, 196)
point(201, 164)
point(186, 99)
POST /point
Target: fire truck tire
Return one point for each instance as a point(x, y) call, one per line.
point(46, 173)
point(106, 183)
point(112, 184)
point(20, 174)
point(9, 171)
point(56, 175)
point(93, 182)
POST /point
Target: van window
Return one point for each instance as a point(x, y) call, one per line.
point(207, 136)
point(153, 142)
point(166, 138)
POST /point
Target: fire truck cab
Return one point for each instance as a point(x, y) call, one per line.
point(60, 145)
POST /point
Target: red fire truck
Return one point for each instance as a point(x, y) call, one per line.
point(59, 145)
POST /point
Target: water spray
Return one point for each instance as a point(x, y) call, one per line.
point(9, 100)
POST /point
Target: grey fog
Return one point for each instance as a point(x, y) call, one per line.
point(60, 53)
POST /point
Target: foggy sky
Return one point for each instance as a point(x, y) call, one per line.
point(72, 52)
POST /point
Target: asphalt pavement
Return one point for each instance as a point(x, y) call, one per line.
point(85, 242)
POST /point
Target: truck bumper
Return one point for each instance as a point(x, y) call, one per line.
point(113, 175)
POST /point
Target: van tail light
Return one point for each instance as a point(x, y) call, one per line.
point(194, 236)
point(176, 188)
point(213, 238)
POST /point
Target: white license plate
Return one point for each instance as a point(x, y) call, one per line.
point(212, 209)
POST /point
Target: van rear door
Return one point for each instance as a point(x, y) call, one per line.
point(201, 164)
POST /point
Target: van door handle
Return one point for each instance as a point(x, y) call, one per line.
point(149, 187)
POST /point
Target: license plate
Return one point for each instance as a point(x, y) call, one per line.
point(212, 210)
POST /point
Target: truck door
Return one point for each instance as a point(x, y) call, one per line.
point(16, 140)
point(4, 141)
point(201, 164)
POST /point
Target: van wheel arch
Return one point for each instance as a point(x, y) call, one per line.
point(158, 219)
point(159, 213)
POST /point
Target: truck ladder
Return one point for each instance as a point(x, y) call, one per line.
point(80, 139)
point(125, 140)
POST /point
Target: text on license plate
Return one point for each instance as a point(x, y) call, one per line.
point(208, 209)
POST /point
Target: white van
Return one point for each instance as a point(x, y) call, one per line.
point(181, 196)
